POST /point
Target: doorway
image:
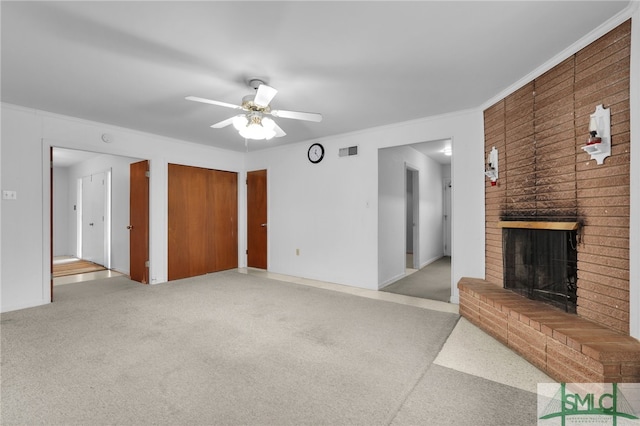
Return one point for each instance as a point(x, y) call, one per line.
point(257, 230)
point(69, 168)
point(414, 211)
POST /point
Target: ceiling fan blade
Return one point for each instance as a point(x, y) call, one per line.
point(279, 131)
point(264, 95)
point(223, 123)
point(297, 115)
point(209, 101)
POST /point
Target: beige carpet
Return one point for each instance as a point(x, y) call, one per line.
point(431, 282)
point(222, 349)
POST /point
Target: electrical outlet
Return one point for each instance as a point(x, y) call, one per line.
point(9, 195)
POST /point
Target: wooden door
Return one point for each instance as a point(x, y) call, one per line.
point(187, 218)
point(203, 221)
point(51, 221)
point(139, 221)
point(223, 225)
point(257, 219)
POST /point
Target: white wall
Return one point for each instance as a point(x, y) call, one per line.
point(26, 138)
point(330, 210)
point(61, 206)
point(392, 163)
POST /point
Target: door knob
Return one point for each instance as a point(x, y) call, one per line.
point(263, 225)
point(129, 227)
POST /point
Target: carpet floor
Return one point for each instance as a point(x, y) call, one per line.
point(431, 282)
point(235, 349)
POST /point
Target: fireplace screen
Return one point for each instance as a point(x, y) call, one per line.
point(541, 264)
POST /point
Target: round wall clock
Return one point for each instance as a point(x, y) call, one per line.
point(315, 153)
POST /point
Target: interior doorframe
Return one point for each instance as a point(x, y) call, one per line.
point(415, 214)
point(48, 146)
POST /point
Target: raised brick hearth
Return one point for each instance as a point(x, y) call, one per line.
point(567, 347)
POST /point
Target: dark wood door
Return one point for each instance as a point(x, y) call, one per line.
point(257, 227)
point(223, 226)
point(139, 221)
point(51, 220)
point(202, 218)
point(187, 218)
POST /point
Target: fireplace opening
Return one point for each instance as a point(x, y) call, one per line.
point(541, 264)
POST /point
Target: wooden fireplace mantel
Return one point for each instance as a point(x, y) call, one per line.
point(554, 226)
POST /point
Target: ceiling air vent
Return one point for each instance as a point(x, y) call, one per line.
point(346, 152)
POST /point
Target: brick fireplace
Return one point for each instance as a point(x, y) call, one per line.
point(546, 176)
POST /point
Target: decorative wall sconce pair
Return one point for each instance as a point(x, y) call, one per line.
point(598, 144)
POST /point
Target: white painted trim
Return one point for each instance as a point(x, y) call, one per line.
point(46, 222)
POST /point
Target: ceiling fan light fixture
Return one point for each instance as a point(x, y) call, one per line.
point(240, 122)
point(255, 127)
point(268, 123)
point(257, 132)
point(252, 124)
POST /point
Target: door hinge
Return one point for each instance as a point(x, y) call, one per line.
point(146, 264)
point(246, 252)
point(147, 173)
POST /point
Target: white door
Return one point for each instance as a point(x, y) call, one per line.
point(93, 212)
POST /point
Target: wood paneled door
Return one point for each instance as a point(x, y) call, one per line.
point(139, 221)
point(203, 221)
point(257, 228)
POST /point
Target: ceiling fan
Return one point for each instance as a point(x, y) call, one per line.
point(252, 123)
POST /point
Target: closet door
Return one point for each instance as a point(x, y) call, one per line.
point(203, 221)
point(188, 219)
point(223, 228)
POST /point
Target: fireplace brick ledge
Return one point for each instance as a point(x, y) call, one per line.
point(568, 348)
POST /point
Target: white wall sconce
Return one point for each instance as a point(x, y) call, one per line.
point(491, 170)
point(599, 142)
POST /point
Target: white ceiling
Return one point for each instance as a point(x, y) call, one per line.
point(361, 64)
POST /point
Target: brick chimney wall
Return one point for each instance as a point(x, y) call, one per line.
point(545, 175)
